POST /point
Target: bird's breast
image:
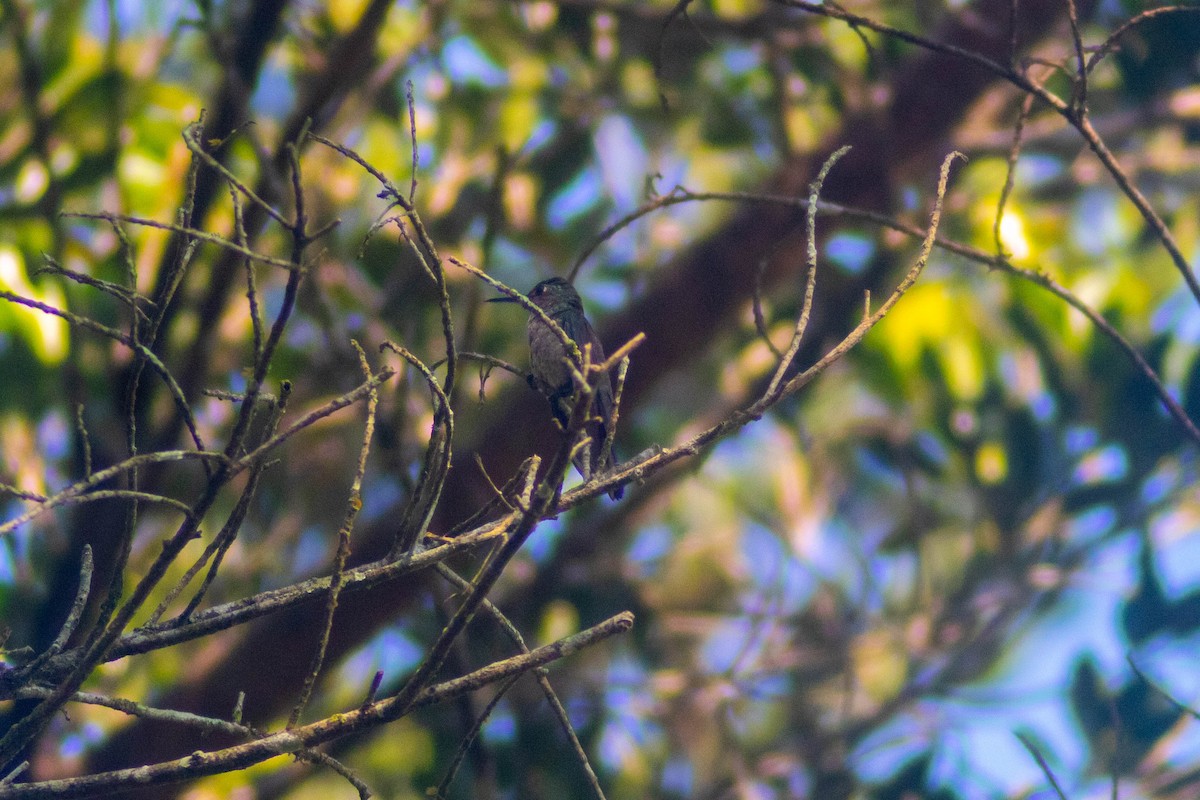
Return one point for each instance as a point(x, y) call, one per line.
point(547, 355)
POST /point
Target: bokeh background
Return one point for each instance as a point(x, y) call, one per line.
point(969, 545)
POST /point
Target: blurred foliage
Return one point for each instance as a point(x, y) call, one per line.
point(969, 528)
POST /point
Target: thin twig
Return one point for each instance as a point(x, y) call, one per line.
point(1080, 91)
point(1179, 704)
point(1012, 33)
point(73, 616)
point(610, 425)
point(291, 290)
point(135, 709)
point(489, 363)
point(193, 233)
point(123, 544)
point(84, 487)
point(90, 324)
point(373, 689)
point(1025, 739)
point(814, 194)
point(217, 546)
point(85, 442)
point(326, 760)
point(504, 499)
point(336, 578)
point(541, 674)
point(14, 773)
point(1110, 43)
point(760, 322)
point(1010, 174)
point(239, 231)
point(468, 739)
point(412, 138)
point(191, 136)
point(128, 296)
point(421, 505)
point(337, 404)
point(224, 539)
point(679, 9)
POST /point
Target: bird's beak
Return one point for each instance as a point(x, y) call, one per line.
point(502, 299)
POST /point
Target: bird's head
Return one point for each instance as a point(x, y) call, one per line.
point(553, 295)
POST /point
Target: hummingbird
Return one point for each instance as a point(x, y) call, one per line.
point(549, 371)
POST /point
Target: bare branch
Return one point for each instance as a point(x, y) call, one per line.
point(200, 763)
